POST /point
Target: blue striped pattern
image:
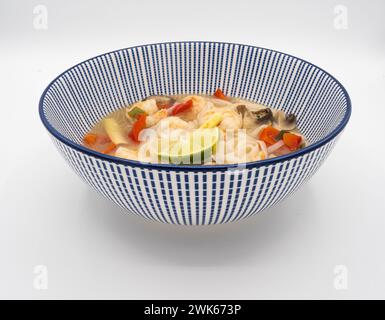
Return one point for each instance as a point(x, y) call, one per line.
point(82, 95)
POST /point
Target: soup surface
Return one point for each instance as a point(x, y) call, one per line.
point(196, 129)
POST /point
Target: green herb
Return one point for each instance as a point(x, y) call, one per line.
point(280, 134)
point(135, 112)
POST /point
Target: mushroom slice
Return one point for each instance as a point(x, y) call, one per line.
point(263, 115)
point(286, 121)
point(251, 115)
point(162, 100)
point(241, 109)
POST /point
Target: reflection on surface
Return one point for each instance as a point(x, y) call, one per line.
point(227, 244)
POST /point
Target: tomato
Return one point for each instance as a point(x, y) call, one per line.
point(268, 135)
point(220, 95)
point(181, 107)
point(90, 139)
point(138, 126)
point(292, 141)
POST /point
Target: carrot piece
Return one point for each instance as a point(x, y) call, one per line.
point(182, 107)
point(291, 140)
point(103, 139)
point(268, 135)
point(109, 148)
point(220, 95)
point(90, 139)
point(138, 126)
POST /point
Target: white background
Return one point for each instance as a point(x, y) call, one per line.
point(92, 249)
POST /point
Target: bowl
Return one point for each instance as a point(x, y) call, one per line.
point(190, 194)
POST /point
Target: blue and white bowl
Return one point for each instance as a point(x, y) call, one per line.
point(194, 195)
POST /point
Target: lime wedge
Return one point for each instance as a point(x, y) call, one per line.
point(213, 121)
point(194, 148)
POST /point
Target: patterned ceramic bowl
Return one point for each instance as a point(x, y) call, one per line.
point(194, 195)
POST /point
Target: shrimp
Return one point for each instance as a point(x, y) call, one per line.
point(172, 123)
point(153, 119)
point(148, 106)
point(205, 114)
point(231, 119)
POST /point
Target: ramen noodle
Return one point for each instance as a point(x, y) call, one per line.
point(196, 129)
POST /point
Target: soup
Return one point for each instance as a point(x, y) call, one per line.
point(196, 129)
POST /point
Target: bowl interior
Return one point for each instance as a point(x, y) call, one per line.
point(84, 94)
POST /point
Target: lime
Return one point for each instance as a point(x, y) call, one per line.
point(194, 148)
point(213, 121)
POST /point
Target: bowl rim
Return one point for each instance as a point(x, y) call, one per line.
point(177, 167)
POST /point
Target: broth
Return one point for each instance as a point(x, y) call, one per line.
point(196, 129)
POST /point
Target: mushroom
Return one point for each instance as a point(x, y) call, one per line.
point(241, 109)
point(285, 121)
point(162, 100)
point(263, 116)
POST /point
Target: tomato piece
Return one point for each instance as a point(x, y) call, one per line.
point(181, 107)
point(292, 141)
point(90, 139)
point(103, 139)
point(138, 126)
point(220, 95)
point(268, 135)
point(109, 148)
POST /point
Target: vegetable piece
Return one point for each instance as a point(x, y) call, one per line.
point(262, 146)
point(263, 115)
point(148, 106)
point(213, 121)
point(90, 139)
point(292, 141)
point(281, 151)
point(196, 148)
point(109, 148)
point(241, 109)
point(103, 139)
point(114, 131)
point(268, 135)
point(286, 122)
point(163, 102)
point(138, 126)
point(275, 146)
point(135, 112)
point(220, 95)
point(181, 107)
point(279, 136)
